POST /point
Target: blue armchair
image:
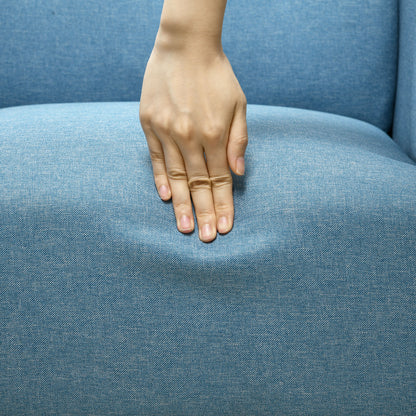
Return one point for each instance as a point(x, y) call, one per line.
point(307, 307)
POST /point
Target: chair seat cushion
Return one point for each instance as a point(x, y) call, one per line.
point(307, 306)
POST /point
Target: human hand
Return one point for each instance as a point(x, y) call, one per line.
point(192, 105)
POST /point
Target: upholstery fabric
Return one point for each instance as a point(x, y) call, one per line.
point(307, 307)
point(404, 131)
point(333, 56)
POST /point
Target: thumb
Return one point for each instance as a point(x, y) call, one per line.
point(238, 140)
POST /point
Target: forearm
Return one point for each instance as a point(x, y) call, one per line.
point(191, 23)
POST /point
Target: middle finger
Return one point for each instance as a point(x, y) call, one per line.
point(199, 184)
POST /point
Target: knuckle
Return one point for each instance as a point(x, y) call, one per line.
point(162, 122)
point(160, 178)
point(224, 208)
point(156, 156)
point(221, 181)
point(145, 117)
point(205, 216)
point(213, 131)
point(181, 207)
point(241, 140)
point(144, 109)
point(177, 174)
point(183, 127)
point(199, 183)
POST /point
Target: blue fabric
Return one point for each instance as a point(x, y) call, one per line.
point(404, 131)
point(334, 56)
point(307, 307)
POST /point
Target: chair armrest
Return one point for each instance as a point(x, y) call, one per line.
point(404, 128)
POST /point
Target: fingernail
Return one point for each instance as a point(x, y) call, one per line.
point(223, 224)
point(240, 166)
point(206, 232)
point(185, 223)
point(164, 192)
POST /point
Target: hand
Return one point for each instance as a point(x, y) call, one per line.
point(192, 105)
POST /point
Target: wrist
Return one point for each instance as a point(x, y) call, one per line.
point(176, 36)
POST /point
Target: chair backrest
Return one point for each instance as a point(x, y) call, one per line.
point(329, 55)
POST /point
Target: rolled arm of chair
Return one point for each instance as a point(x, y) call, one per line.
point(404, 128)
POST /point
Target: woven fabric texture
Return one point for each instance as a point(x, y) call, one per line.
point(404, 131)
point(332, 56)
point(307, 307)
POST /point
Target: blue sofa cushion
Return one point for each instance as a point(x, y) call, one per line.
point(334, 56)
point(306, 307)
